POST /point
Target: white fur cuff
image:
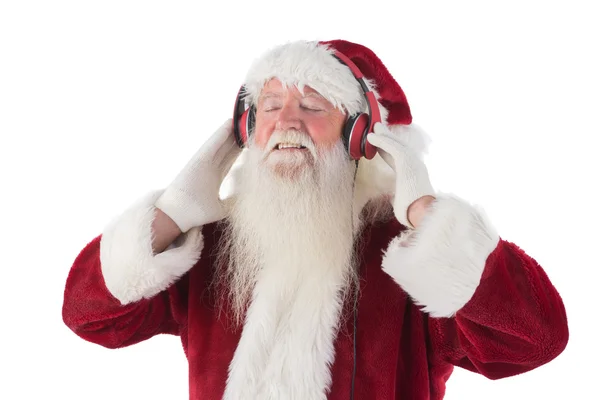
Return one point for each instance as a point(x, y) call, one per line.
point(131, 271)
point(441, 262)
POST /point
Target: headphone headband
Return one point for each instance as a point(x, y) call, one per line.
point(375, 115)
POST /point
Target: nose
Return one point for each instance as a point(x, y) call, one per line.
point(289, 117)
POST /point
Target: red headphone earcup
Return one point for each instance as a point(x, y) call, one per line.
point(369, 149)
point(244, 127)
point(243, 120)
point(357, 130)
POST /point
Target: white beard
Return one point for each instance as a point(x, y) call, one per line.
point(289, 261)
point(289, 216)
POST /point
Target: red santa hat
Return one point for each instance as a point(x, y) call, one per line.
point(312, 63)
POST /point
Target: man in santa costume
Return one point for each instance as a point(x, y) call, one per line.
point(334, 270)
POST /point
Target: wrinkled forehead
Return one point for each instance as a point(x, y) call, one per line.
point(276, 88)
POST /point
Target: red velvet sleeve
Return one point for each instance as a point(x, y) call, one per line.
point(94, 314)
point(515, 321)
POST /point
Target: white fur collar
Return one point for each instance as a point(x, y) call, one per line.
point(286, 348)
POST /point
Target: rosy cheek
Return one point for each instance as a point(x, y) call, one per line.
point(264, 125)
point(260, 137)
point(324, 133)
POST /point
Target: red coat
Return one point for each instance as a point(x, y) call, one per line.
point(513, 322)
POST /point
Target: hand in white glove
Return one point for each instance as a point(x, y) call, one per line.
point(192, 199)
point(412, 178)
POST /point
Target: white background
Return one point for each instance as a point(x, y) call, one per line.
point(102, 101)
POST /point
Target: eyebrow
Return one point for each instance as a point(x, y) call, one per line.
point(269, 94)
point(314, 94)
point(278, 94)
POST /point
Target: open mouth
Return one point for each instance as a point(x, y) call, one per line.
point(289, 146)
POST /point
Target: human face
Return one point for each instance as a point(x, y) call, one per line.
point(286, 109)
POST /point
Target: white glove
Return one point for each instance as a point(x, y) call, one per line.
point(412, 178)
point(192, 199)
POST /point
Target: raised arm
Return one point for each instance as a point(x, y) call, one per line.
point(129, 283)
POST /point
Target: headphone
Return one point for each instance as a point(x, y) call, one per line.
point(356, 128)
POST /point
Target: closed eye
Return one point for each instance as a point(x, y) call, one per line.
point(268, 109)
point(312, 108)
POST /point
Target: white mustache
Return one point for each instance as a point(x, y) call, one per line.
point(291, 136)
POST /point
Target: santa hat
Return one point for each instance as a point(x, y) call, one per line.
point(311, 63)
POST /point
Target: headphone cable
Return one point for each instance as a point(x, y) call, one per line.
point(355, 298)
